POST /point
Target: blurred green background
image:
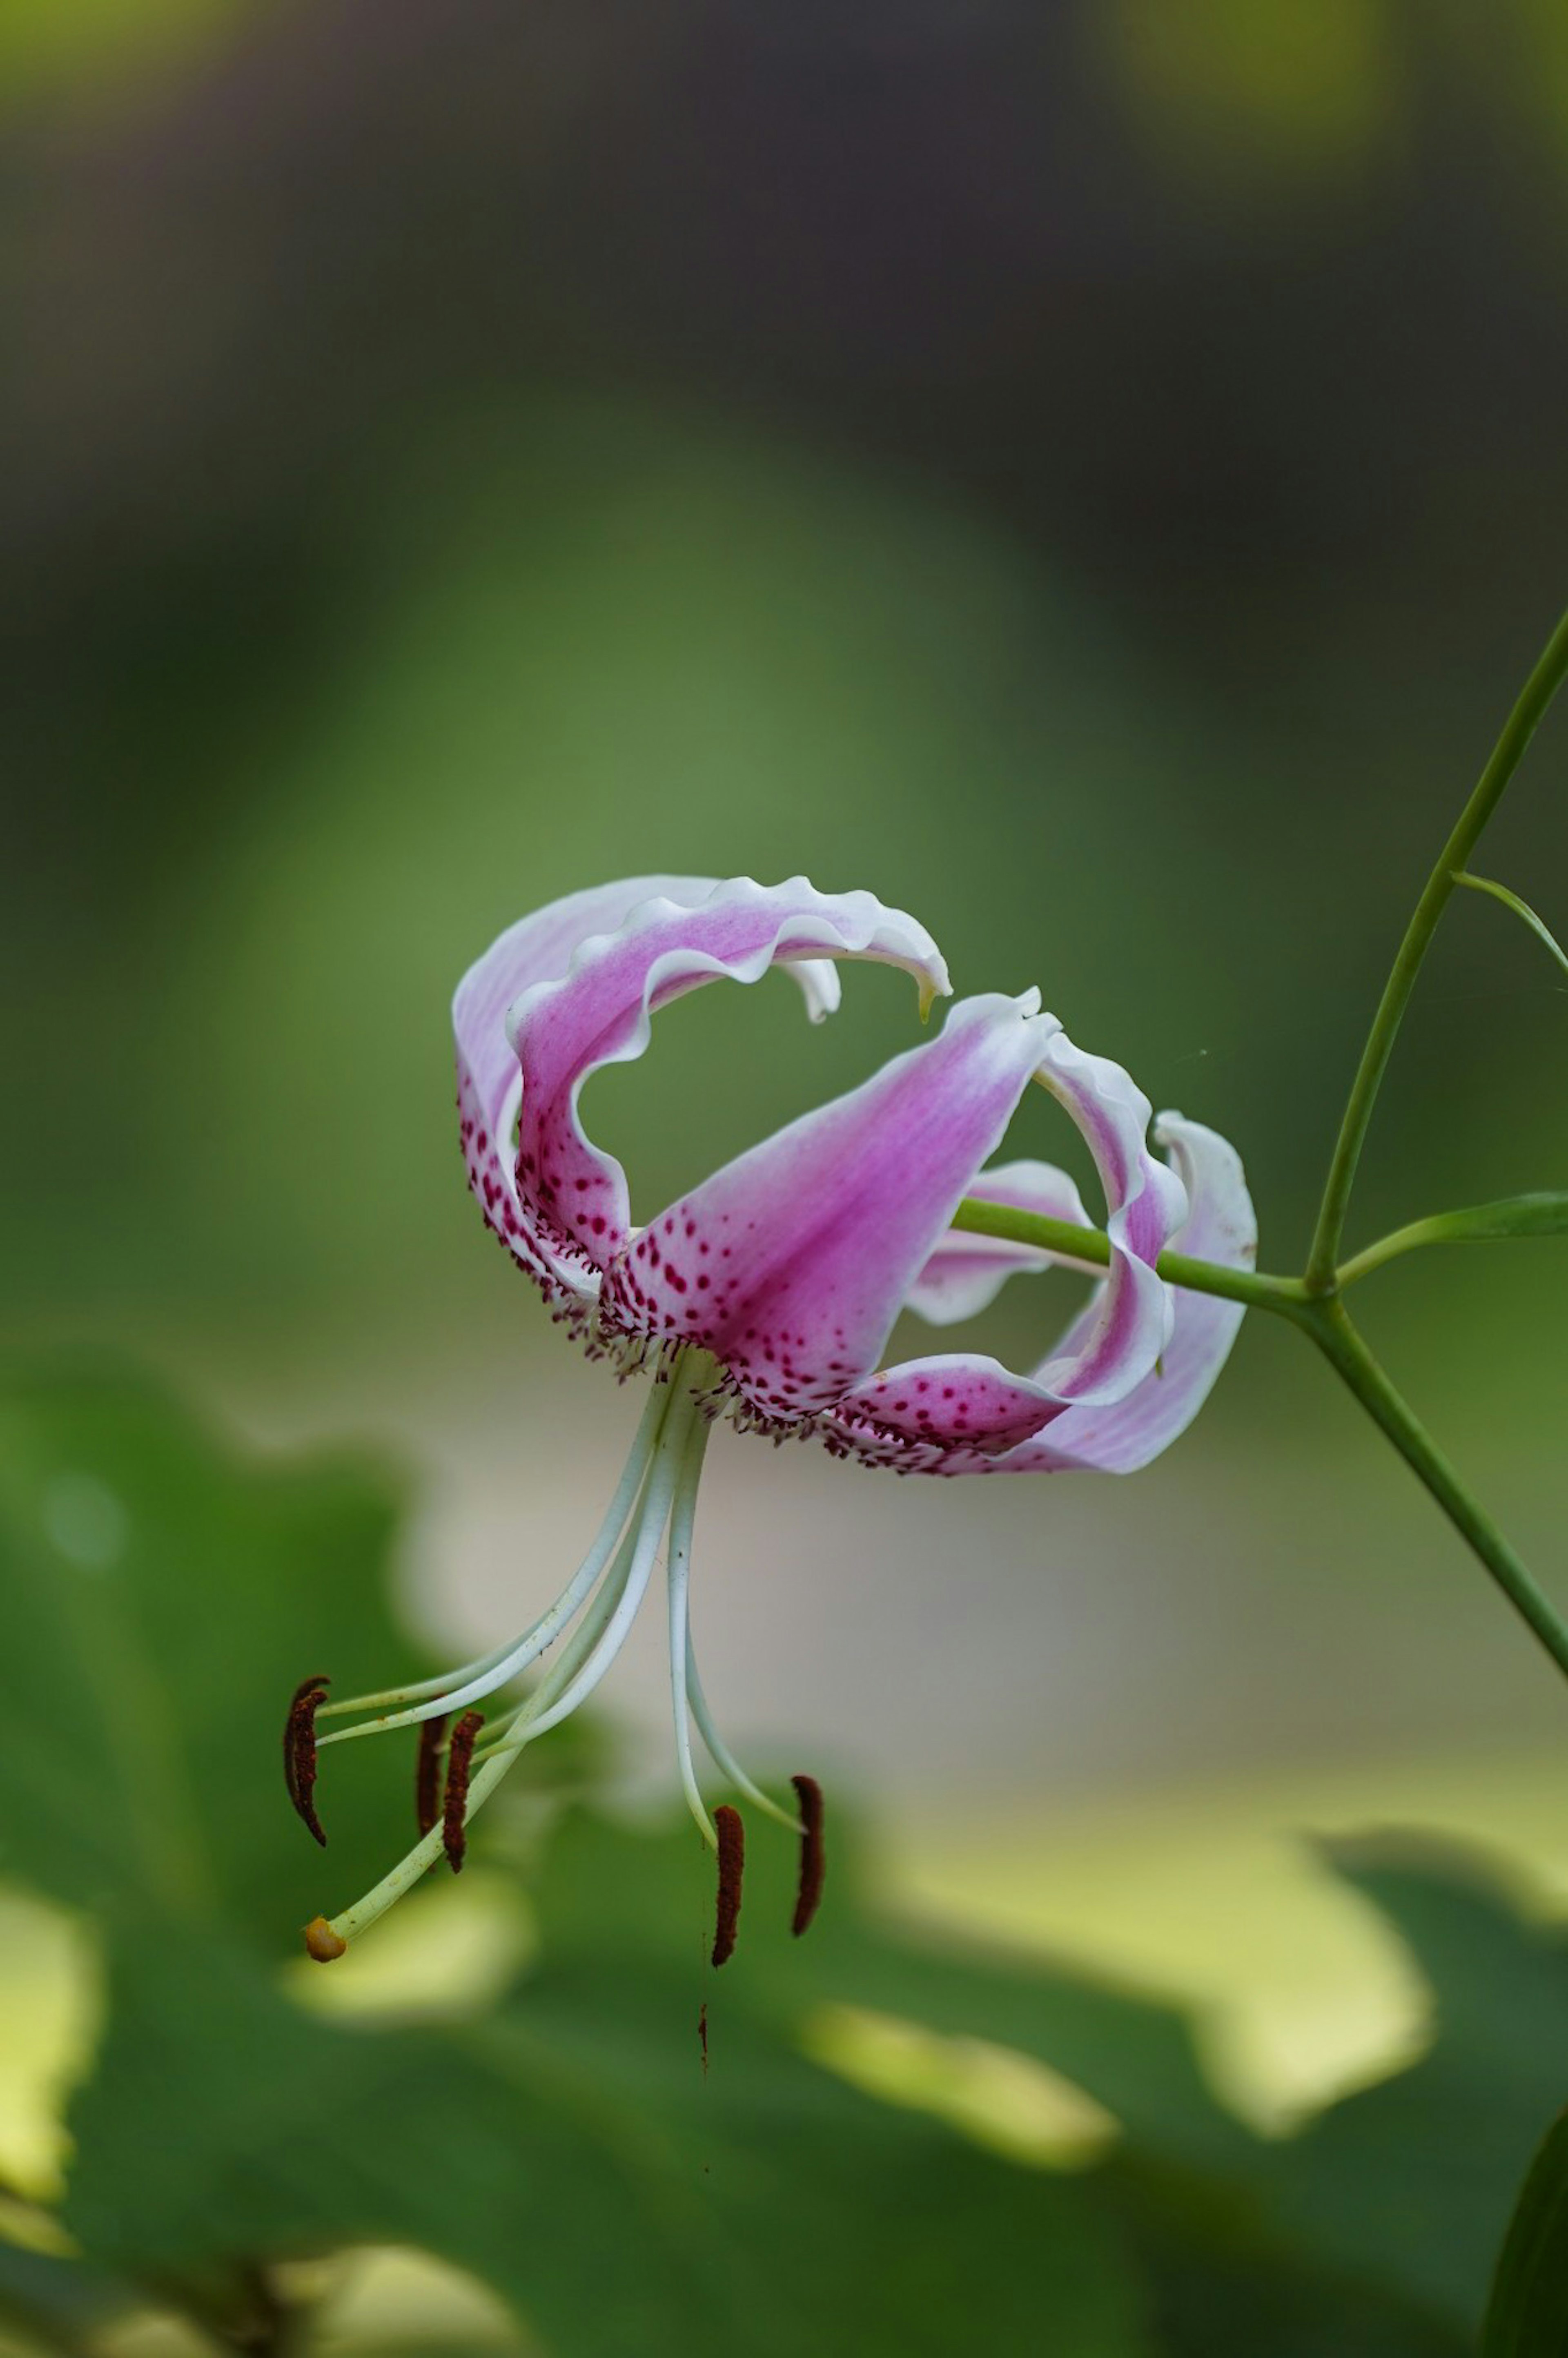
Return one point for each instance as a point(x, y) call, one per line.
point(1092, 473)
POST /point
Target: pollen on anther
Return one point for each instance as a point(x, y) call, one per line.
point(813, 1856)
point(299, 1750)
point(731, 1833)
point(427, 1772)
point(454, 1809)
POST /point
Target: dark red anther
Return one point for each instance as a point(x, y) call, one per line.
point(427, 1774)
point(813, 1857)
point(299, 1749)
point(454, 1809)
point(732, 1835)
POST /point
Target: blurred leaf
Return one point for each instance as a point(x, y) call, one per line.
point(1134, 2055)
point(158, 1605)
point(159, 1601)
point(53, 2300)
point(1528, 2315)
point(1409, 2184)
point(569, 2150)
point(563, 2142)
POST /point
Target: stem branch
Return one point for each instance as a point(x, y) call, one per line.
point(1090, 1249)
point(1519, 728)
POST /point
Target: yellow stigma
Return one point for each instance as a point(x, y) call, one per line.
point(324, 1944)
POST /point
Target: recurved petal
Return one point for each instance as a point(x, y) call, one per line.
point(951, 1401)
point(1129, 1322)
point(966, 1273)
point(792, 1263)
point(490, 1082)
point(599, 1012)
point(1118, 1438)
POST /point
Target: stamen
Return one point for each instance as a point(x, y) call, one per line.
point(723, 1759)
point(678, 1581)
point(618, 1602)
point(517, 1727)
point(475, 1771)
point(475, 1680)
point(299, 1749)
point(427, 1774)
point(454, 1810)
point(813, 1857)
point(731, 1865)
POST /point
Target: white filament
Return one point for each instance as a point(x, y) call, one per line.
point(461, 1687)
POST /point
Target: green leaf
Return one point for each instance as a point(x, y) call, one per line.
point(56, 2302)
point(1134, 2055)
point(159, 1600)
point(1409, 2184)
point(158, 1603)
point(1528, 2316)
point(563, 2143)
point(1520, 909)
point(568, 2148)
point(1542, 1215)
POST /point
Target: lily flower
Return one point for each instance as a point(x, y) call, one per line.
point(765, 1297)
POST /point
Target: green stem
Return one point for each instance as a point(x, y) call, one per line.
point(1328, 1324)
point(1326, 1319)
point(1520, 725)
point(1433, 1231)
point(1090, 1248)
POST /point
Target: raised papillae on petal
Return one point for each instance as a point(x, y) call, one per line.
point(575, 986)
point(792, 1263)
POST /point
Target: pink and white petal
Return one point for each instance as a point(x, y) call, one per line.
point(1145, 1204)
point(792, 1263)
point(1121, 1437)
point(949, 1400)
point(966, 1273)
point(536, 949)
point(599, 1012)
point(820, 985)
